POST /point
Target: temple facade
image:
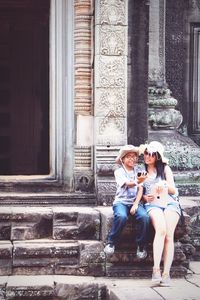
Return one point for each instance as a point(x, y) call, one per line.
point(81, 78)
point(78, 80)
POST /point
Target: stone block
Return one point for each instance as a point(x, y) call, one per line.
point(125, 254)
point(5, 223)
point(5, 258)
point(111, 12)
point(77, 287)
point(91, 261)
point(31, 223)
point(130, 228)
point(43, 256)
point(76, 223)
point(32, 287)
point(58, 257)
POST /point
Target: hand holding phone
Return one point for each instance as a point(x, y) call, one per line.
point(141, 176)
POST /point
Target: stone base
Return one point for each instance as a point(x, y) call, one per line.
point(184, 158)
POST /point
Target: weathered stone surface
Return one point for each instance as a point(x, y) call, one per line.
point(42, 256)
point(128, 233)
point(91, 261)
point(79, 288)
point(5, 258)
point(134, 293)
point(31, 287)
point(191, 206)
point(5, 223)
point(31, 223)
point(58, 257)
point(76, 223)
point(124, 260)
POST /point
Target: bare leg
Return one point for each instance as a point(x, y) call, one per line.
point(171, 218)
point(158, 220)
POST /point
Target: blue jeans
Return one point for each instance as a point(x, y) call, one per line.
point(121, 213)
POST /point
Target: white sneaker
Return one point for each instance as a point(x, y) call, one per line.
point(109, 249)
point(166, 280)
point(141, 254)
point(156, 276)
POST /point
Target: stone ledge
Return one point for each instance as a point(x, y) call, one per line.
point(48, 257)
point(22, 223)
point(98, 288)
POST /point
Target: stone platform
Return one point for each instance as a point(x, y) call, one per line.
point(64, 287)
point(65, 244)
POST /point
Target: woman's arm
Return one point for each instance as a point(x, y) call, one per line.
point(170, 180)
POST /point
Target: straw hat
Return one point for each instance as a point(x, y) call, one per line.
point(125, 150)
point(155, 146)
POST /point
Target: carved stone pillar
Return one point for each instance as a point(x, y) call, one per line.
point(110, 89)
point(164, 118)
point(83, 102)
point(162, 112)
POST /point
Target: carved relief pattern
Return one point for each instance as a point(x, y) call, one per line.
point(195, 4)
point(112, 40)
point(107, 187)
point(83, 56)
point(162, 39)
point(111, 71)
point(111, 105)
point(84, 181)
point(162, 112)
point(110, 87)
point(183, 156)
point(156, 75)
point(111, 100)
point(108, 121)
point(111, 12)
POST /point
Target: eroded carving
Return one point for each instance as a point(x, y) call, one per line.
point(112, 12)
point(195, 4)
point(112, 40)
point(111, 71)
point(162, 112)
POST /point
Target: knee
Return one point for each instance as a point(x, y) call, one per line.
point(122, 218)
point(169, 237)
point(161, 231)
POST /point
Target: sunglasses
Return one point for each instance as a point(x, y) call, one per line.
point(152, 154)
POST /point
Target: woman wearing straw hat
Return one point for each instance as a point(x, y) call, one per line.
point(127, 198)
point(160, 197)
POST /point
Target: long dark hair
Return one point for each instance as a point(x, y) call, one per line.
point(160, 166)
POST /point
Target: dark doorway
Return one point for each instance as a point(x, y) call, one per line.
point(24, 87)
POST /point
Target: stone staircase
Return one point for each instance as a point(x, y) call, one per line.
point(56, 252)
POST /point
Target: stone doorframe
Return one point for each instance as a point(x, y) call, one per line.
point(61, 108)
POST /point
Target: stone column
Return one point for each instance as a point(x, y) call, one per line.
point(164, 118)
point(110, 93)
point(162, 112)
point(83, 87)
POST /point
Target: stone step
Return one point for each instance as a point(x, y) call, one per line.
point(22, 223)
point(40, 198)
point(51, 288)
point(60, 287)
point(30, 235)
point(45, 257)
point(86, 258)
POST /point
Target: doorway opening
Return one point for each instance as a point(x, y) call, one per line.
point(24, 87)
